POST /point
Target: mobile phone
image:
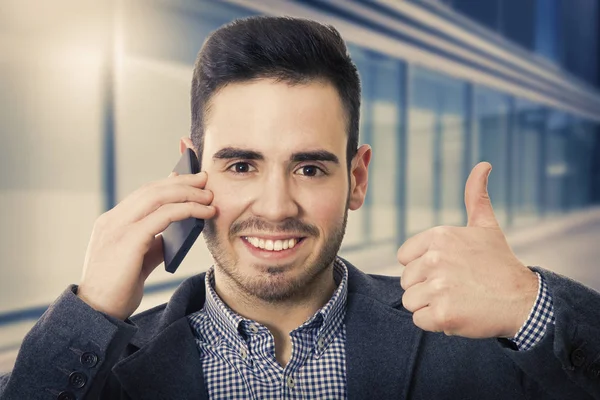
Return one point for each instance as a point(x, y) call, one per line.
point(179, 236)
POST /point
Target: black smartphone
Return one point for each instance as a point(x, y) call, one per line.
point(179, 236)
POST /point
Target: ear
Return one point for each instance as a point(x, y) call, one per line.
point(359, 177)
point(185, 143)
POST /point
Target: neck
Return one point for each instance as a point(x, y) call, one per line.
point(280, 317)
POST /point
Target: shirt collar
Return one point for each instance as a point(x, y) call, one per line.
point(325, 323)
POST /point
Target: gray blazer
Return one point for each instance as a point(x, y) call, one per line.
point(76, 352)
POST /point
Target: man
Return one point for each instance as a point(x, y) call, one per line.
point(275, 112)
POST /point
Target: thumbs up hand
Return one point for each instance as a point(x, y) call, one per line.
point(466, 281)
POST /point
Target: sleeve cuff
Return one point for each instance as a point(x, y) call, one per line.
point(542, 314)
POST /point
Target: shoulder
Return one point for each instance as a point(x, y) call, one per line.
point(381, 288)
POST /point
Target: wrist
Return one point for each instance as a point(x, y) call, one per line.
point(528, 291)
point(98, 305)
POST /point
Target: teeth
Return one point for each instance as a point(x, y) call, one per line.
point(272, 245)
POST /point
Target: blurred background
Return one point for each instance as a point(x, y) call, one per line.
point(94, 97)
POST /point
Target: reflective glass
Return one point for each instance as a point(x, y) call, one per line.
point(384, 167)
point(491, 134)
point(525, 158)
point(435, 141)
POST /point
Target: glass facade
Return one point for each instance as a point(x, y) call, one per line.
point(564, 32)
point(436, 132)
point(492, 121)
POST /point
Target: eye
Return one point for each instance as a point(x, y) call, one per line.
point(310, 170)
point(241, 168)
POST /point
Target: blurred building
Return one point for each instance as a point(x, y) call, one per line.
point(95, 96)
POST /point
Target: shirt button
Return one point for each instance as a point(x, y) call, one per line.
point(66, 396)
point(254, 328)
point(77, 380)
point(290, 382)
point(88, 359)
point(321, 343)
point(243, 353)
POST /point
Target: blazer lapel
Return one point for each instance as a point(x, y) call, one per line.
point(168, 367)
point(381, 340)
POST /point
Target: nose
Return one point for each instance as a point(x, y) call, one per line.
point(275, 201)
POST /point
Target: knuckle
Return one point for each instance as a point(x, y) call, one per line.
point(439, 286)
point(433, 258)
point(440, 231)
point(445, 320)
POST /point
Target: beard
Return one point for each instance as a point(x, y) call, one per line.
point(272, 285)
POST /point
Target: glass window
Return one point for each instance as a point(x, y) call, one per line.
point(526, 158)
point(546, 29)
point(581, 142)
point(492, 113)
point(436, 135)
point(384, 168)
point(556, 168)
point(356, 228)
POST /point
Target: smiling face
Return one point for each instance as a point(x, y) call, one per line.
point(275, 155)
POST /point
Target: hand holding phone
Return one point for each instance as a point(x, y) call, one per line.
point(126, 244)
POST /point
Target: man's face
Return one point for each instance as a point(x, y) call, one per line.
point(276, 161)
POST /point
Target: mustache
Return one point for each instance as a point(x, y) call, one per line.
point(287, 226)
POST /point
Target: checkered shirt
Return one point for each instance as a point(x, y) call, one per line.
point(238, 354)
point(542, 314)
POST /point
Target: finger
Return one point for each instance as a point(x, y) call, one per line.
point(414, 247)
point(417, 297)
point(477, 200)
point(159, 220)
point(157, 197)
point(194, 180)
point(424, 318)
point(153, 257)
point(414, 273)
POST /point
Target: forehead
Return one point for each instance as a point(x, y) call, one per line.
point(275, 116)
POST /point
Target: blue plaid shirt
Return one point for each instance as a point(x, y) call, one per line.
point(238, 354)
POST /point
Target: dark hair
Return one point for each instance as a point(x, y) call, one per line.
point(290, 50)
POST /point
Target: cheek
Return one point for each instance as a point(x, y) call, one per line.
point(229, 201)
point(327, 205)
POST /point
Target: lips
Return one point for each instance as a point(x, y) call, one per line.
point(273, 244)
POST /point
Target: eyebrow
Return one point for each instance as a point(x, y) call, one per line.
point(229, 153)
point(317, 155)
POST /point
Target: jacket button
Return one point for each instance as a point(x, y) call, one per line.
point(77, 380)
point(594, 371)
point(66, 396)
point(88, 359)
point(578, 358)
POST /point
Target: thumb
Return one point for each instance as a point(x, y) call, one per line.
point(477, 200)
